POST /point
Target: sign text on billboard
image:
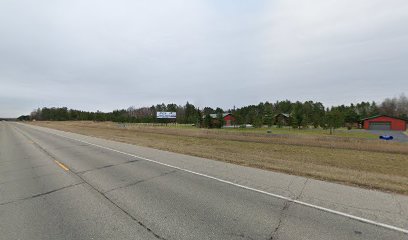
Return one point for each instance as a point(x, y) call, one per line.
point(170, 115)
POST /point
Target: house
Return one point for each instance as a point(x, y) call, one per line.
point(384, 122)
point(283, 119)
point(228, 118)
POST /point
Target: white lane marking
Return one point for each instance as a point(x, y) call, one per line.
point(364, 220)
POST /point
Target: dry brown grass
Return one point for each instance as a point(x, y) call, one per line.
point(367, 163)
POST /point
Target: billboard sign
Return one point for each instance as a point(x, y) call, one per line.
point(170, 115)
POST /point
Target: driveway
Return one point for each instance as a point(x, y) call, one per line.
point(398, 135)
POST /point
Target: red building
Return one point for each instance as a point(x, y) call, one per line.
point(228, 118)
point(384, 122)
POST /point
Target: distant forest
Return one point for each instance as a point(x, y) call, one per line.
point(302, 114)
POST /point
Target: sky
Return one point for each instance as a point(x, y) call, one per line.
point(105, 55)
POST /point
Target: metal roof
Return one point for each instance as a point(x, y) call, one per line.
point(214, 115)
point(284, 114)
point(383, 115)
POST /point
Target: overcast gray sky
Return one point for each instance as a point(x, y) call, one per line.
point(104, 55)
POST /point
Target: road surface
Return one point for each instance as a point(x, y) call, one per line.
point(52, 187)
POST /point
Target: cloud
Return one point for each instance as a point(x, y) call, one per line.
point(102, 55)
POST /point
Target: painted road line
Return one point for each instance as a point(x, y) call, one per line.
point(360, 219)
point(31, 141)
point(62, 165)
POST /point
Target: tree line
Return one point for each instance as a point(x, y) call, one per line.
point(302, 114)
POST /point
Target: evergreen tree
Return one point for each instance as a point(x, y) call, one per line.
point(208, 121)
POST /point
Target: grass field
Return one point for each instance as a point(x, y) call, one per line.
point(347, 157)
point(341, 132)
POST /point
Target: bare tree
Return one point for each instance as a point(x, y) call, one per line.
point(395, 106)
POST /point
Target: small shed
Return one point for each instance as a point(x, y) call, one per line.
point(384, 122)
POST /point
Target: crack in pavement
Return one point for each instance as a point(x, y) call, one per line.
point(141, 181)
point(41, 194)
point(292, 181)
point(123, 210)
point(303, 188)
point(100, 192)
point(401, 211)
point(107, 166)
point(274, 234)
point(94, 169)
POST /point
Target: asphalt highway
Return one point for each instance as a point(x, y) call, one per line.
point(57, 188)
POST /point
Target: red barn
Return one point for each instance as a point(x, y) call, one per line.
point(384, 122)
point(228, 118)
